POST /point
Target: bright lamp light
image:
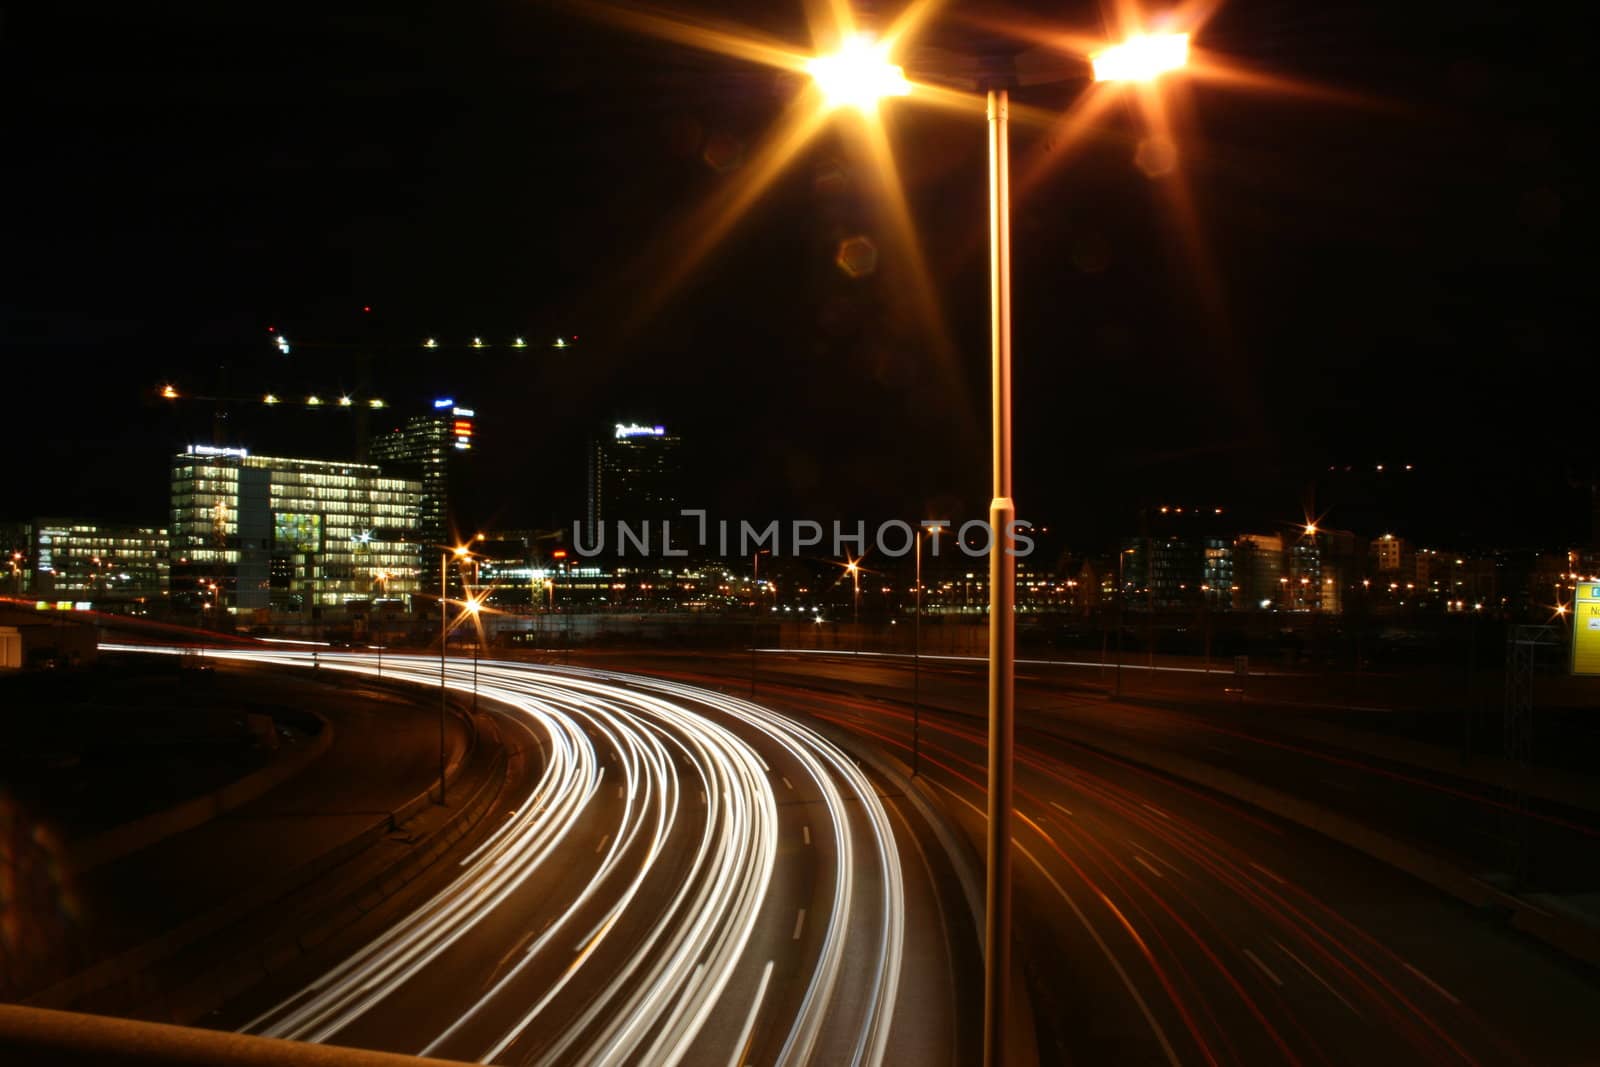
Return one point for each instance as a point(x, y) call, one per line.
point(1141, 59)
point(858, 75)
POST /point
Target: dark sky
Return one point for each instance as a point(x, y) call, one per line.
point(1390, 282)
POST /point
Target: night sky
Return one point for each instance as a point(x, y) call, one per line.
point(1391, 280)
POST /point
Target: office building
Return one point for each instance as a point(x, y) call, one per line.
point(1258, 578)
point(251, 533)
point(110, 566)
point(635, 475)
point(431, 448)
point(1392, 557)
point(1183, 560)
point(1323, 565)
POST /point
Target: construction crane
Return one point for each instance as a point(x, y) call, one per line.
point(311, 400)
point(340, 401)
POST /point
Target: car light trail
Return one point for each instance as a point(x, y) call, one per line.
point(646, 995)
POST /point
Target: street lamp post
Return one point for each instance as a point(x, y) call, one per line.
point(1117, 693)
point(859, 75)
point(460, 552)
point(472, 607)
point(444, 639)
point(916, 662)
point(1002, 596)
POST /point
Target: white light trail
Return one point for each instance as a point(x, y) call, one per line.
point(648, 996)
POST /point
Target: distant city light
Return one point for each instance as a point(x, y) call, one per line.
point(519, 343)
point(477, 342)
point(430, 343)
point(560, 343)
point(344, 401)
point(313, 401)
point(375, 403)
point(269, 399)
point(169, 392)
point(283, 345)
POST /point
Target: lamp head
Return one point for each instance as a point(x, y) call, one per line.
point(858, 75)
point(1142, 58)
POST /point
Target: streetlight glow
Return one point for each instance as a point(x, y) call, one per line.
point(1141, 59)
point(858, 75)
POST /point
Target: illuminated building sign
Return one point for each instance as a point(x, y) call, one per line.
point(1586, 629)
point(462, 429)
point(464, 413)
point(633, 429)
point(445, 403)
point(212, 450)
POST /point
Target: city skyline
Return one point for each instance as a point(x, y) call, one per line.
point(1359, 330)
point(942, 532)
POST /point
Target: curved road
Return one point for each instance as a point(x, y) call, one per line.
point(691, 878)
point(1165, 924)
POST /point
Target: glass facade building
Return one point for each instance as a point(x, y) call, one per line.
point(112, 566)
point(635, 475)
point(256, 532)
point(430, 448)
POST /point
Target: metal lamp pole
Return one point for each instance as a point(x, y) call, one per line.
point(1002, 594)
point(444, 638)
point(916, 668)
point(846, 76)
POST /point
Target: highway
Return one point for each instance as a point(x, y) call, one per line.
point(690, 878)
point(1162, 923)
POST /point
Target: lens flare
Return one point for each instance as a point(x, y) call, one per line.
point(858, 75)
point(1142, 58)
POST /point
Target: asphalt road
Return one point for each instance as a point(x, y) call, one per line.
point(1164, 924)
point(1547, 845)
point(688, 878)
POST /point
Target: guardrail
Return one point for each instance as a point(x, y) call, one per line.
point(41, 1037)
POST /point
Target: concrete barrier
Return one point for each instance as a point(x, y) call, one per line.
point(39, 1037)
point(141, 833)
point(127, 971)
point(208, 991)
